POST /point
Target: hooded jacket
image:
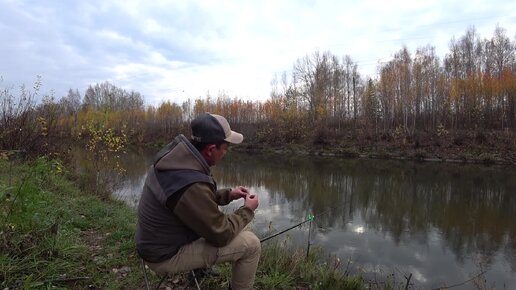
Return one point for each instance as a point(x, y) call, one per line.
point(180, 203)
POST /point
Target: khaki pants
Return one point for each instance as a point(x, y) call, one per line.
point(244, 251)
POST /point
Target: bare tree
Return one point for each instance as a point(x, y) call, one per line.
point(17, 117)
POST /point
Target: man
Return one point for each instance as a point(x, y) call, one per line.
point(180, 226)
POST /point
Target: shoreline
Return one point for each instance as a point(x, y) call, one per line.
point(484, 158)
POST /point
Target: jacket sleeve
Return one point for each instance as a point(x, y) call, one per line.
point(198, 209)
point(222, 196)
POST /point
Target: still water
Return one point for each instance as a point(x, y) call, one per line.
point(443, 223)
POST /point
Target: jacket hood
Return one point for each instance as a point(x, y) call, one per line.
point(181, 154)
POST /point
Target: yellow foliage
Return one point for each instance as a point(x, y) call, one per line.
point(104, 142)
point(441, 131)
point(43, 126)
point(4, 155)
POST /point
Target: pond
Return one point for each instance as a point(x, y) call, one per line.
point(442, 223)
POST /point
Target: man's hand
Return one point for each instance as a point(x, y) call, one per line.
point(238, 192)
point(251, 201)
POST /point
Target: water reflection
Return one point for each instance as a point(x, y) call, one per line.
point(440, 222)
point(126, 186)
point(443, 223)
point(136, 164)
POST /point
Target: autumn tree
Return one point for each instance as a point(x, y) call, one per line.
point(169, 117)
point(311, 76)
point(371, 106)
point(110, 98)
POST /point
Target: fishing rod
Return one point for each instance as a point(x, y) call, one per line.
point(309, 219)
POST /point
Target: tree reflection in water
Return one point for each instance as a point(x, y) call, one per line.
point(466, 209)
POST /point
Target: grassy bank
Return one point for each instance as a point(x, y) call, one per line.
point(53, 236)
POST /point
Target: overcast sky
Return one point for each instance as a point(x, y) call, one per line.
point(173, 50)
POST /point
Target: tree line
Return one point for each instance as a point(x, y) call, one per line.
point(322, 99)
point(473, 87)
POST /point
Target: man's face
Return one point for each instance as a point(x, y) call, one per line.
point(214, 154)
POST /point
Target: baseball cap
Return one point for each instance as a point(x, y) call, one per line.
point(212, 128)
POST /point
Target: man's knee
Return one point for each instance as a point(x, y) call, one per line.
point(252, 242)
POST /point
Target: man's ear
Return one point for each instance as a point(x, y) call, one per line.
point(207, 152)
point(210, 147)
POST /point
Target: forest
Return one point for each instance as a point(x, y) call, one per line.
point(416, 102)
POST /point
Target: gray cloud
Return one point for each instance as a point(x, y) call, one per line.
point(178, 49)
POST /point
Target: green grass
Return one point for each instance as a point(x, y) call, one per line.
point(53, 236)
point(285, 267)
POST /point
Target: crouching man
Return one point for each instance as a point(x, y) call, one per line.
point(180, 226)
